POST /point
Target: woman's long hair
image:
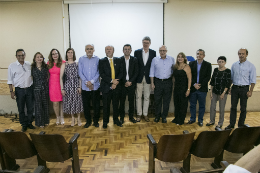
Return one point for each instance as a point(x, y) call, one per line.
point(51, 60)
point(44, 65)
point(74, 56)
point(176, 66)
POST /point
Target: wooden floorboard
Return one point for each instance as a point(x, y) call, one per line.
point(121, 149)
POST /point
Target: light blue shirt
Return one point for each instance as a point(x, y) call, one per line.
point(198, 70)
point(162, 68)
point(88, 71)
point(243, 73)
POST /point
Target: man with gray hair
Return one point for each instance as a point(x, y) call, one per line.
point(161, 82)
point(144, 57)
point(89, 74)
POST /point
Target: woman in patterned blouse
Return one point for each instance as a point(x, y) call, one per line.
point(220, 84)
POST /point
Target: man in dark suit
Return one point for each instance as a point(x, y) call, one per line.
point(110, 70)
point(128, 82)
point(201, 73)
point(144, 57)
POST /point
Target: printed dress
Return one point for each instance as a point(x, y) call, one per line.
point(72, 101)
point(41, 95)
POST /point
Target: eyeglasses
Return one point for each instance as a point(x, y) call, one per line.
point(146, 42)
point(54, 53)
point(162, 50)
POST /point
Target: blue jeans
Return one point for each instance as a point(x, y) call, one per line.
point(24, 96)
point(194, 97)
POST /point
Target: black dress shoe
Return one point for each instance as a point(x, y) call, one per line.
point(174, 121)
point(122, 120)
point(104, 126)
point(24, 128)
point(164, 120)
point(132, 120)
point(156, 120)
point(229, 127)
point(200, 124)
point(118, 123)
point(191, 122)
point(96, 124)
point(30, 126)
point(209, 124)
point(87, 125)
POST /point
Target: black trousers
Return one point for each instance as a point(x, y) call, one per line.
point(180, 105)
point(112, 95)
point(130, 91)
point(162, 94)
point(24, 96)
point(87, 97)
point(236, 94)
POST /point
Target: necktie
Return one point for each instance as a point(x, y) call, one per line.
point(112, 68)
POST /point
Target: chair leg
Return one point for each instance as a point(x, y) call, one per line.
point(10, 163)
point(151, 164)
point(75, 158)
point(217, 160)
point(186, 164)
point(42, 163)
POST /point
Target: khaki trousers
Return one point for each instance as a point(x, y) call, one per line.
point(139, 92)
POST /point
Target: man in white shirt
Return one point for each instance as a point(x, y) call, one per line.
point(144, 57)
point(19, 76)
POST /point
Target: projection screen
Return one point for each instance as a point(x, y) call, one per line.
point(115, 24)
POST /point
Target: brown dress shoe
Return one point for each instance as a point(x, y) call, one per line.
point(138, 118)
point(146, 118)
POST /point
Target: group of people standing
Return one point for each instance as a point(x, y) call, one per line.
point(75, 87)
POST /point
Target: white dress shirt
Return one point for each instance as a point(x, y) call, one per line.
point(20, 75)
point(145, 56)
point(127, 67)
point(235, 169)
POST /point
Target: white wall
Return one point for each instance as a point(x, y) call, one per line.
point(220, 28)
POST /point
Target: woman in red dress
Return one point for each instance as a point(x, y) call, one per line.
point(54, 64)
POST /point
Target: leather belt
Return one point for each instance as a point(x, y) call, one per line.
point(240, 86)
point(163, 79)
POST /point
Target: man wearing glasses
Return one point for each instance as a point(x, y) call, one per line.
point(144, 57)
point(19, 76)
point(161, 82)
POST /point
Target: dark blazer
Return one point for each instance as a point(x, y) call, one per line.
point(144, 70)
point(205, 74)
point(132, 70)
point(105, 73)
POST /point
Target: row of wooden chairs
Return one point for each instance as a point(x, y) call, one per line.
point(47, 147)
point(209, 144)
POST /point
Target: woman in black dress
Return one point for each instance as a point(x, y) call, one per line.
point(40, 75)
point(182, 84)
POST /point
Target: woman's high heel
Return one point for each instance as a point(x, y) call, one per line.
point(62, 121)
point(58, 121)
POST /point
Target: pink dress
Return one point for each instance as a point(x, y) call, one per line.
point(54, 84)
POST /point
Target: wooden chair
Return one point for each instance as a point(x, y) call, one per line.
point(170, 148)
point(54, 148)
point(241, 140)
point(16, 145)
point(209, 144)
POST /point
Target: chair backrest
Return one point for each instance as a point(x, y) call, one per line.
point(242, 140)
point(210, 143)
point(17, 145)
point(51, 147)
point(174, 148)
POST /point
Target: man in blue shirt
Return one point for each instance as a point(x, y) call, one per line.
point(201, 73)
point(243, 74)
point(89, 74)
point(161, 82)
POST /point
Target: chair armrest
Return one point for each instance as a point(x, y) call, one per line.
point(151, 139)
point(42, 133)
point(39, 169)
point(218, 129)
point(185, 132)
point(224, 164)
point(5, 130)
point(74, 138)
point(10, 130)
point(175, 170)
point(246, 125)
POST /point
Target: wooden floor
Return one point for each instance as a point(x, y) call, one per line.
point(121, 149)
